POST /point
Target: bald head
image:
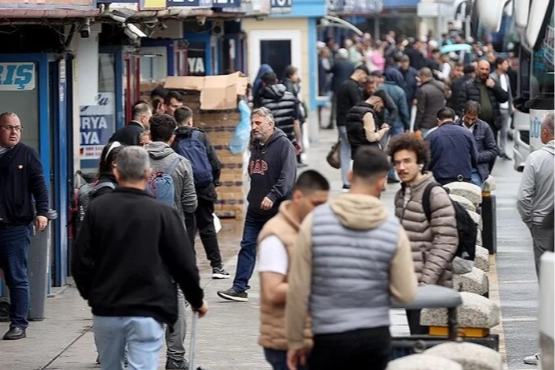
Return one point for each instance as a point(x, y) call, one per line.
point(483, 70)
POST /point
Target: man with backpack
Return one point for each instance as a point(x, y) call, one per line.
point(171, 183)
point(194, 145)
point(435, 241)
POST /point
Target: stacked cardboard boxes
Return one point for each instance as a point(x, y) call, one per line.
point(213, 100)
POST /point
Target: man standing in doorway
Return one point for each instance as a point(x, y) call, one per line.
point(272, 169)
point(131, 134)
point(21, 181)
point(348, 95)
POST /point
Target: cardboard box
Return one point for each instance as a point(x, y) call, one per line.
point(216, 92)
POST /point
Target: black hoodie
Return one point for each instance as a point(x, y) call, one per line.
point(273, 172)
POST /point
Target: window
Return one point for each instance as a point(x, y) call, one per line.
point(542, 64)
point(154, 66)
point(276, 53)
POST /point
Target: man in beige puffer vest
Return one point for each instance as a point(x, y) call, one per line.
point(275, 243)
point(433, 243)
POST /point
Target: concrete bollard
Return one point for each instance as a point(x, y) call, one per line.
point(479, 240)
point(470, 356)
point(475, 281)
point(468, 205)
point(477, 219)
point(423, 362)
point(489, 216)
point(481, 260)
point(466, 190)
point(475, 312)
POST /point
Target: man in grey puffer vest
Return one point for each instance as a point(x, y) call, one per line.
point(284, 107)
point(350, 259)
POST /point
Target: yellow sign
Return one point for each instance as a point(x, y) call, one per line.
point(152, 5)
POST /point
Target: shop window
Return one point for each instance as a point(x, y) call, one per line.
point(276, 53)
point(154, 64)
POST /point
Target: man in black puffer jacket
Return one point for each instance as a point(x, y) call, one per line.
point(283, 105)
point(362, 123)
point(489, 94)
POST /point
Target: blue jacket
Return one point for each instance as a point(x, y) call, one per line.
point(485, 143)
point(411, 84)
point(453, 152)
point(398, 96)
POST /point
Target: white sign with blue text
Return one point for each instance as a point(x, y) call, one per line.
point(96, 126)
point(17, 76)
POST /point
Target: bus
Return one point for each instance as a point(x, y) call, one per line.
point(526, 29)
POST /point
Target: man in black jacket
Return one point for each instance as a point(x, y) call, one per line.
point(130, 134)
point(457, 85)
point(21, 179)
point(348, 95)
point(273, 170)
point(128, 257)
point(203, 219)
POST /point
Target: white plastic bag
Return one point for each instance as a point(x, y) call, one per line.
point(217, 223)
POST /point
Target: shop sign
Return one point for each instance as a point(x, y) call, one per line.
point(191, 3)
point(152, 4)
point(281, 3)
point(48, 4)
point(17, 76)
point(226, 3)
point(96, 125)
point(196, 60)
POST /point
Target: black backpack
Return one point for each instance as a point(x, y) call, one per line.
point(466, 227)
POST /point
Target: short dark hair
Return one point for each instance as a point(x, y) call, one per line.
point(410, 142)
point(499, 60)
point(182, 115)
point(290, 71)
point(269, 78)
point(109, 153)
point(363, 68)
point(173, 95)
point(381, 94)
point(162, 127)
point(141, 108)
point(468, 69)
point(445, 113)
point(159, 91)
point(310, 181)
point(472, 106)
point(369, 162)
point(404, 58)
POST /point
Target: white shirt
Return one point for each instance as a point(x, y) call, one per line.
point(272, 256)
point(505, 86)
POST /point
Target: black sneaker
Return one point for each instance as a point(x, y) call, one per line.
point(232, 295)
point(177, 364)
point(220, 273)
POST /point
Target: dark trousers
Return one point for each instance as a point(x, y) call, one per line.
point(364, 349)
point(278, 359)
point(14, 246)
point(203, 221)
point(496, 136)
point(413, 317)
point(247, 253)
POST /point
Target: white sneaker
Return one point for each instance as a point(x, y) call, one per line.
point(532, 360)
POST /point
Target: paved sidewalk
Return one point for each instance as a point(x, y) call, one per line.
point(227, 337)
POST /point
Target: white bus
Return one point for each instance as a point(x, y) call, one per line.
point(526, 28)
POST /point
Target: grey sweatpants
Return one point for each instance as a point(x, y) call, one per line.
point(543, 241)
point(175, 341)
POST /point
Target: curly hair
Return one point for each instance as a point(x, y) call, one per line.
point(408, 141)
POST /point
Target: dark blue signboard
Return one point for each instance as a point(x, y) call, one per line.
point(226, 3)
point(281, 3)
point(191, 3)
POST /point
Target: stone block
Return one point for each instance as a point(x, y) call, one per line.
point(470, 356)
point(423, 362)
point(475, 281)
point(468, 205)
point(475, 312)
point(490, 184)
point(481, 261)
point(466, 190)
point(479, 238)
point(477, 219)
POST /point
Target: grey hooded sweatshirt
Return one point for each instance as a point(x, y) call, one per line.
point(161, 157)
point(535, 195)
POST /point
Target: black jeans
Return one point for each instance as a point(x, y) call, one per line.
point(362, 349)
point(413, 317)
point(203, 221)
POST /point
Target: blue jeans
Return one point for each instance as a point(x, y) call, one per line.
point(278, 359)
point(344, 153)
point(476, 179)
point(14, 246)
point(144, 337)
point(247, 254)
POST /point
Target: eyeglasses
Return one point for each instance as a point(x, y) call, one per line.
point(12, 128)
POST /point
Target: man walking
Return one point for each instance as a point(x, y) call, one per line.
point(126, 258)
point(485, 142)
point(276, 246)
point(164, 159)
point(501, 77)
point(535, 198)
point(194, 145)
point(430, 99)
point(21, 180)
point(347, 96)
point(130, 134)
point(272, 170)
point(433, 242)
point(453, 150)
point(350, 259)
